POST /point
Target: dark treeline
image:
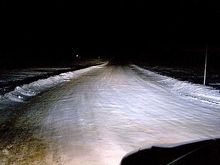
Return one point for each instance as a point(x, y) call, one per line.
point(154, 55)
point(160, 33)
point(34, 56)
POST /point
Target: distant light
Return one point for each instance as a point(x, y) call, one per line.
point(20, 97)
point(77, 56)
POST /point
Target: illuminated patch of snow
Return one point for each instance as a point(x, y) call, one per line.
point(22, 93)
point(183, 88)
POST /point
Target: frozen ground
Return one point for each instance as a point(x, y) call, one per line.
point(190, 74)
point(11, 78)
point(103, 113)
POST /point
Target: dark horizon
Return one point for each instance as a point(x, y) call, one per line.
point(162, 31)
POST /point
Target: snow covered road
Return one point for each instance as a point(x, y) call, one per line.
point(102, 115)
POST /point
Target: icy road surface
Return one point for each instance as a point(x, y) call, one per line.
point(98, 117)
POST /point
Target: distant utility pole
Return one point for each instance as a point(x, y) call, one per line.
point(205, 68)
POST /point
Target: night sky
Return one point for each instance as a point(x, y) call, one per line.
point(115, 29)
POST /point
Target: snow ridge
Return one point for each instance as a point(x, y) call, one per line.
point(184, 88)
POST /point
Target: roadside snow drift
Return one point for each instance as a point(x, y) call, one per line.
point(24, 92)
point(183, 88)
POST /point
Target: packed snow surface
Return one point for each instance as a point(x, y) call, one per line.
point(99, 116)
